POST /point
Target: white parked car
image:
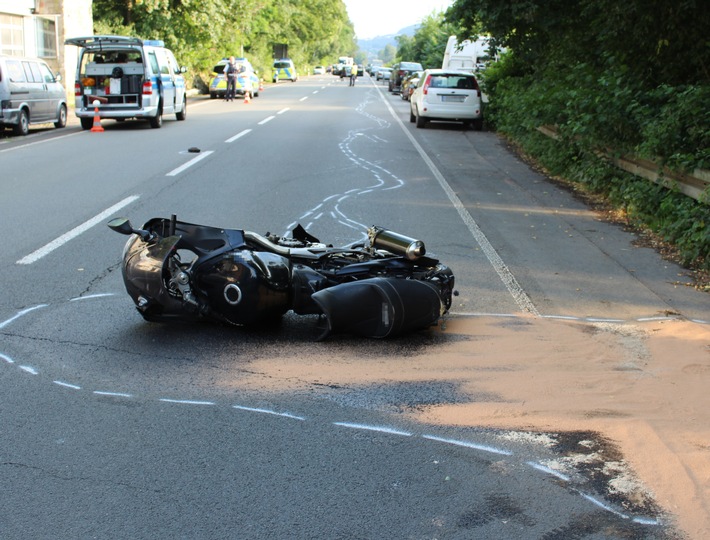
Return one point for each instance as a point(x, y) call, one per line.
point(319, 70)
point(447, 95)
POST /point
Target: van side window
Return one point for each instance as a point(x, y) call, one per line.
point(153, 62)
point(32, 71)
point(15, 71)
point(46, 74)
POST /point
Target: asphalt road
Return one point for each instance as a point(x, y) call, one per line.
point(115, 428)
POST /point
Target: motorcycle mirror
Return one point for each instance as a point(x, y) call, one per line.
point(123, 226)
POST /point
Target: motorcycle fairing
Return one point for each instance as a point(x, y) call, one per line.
point(143, 273)
point(379, 307)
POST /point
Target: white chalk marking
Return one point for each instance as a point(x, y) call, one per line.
point(381, 429)
point(267, 411)
point(548, 470)
point(112, 394)
point(190, 163)
point(67, 385)
point(7, 359)
point(76, 231)
point(20, 314)
point(267, 119)
point(90, 296)
point(29, 369)
point(467, 444)
point(600, 504)
point(187, 401)
point(238, 135)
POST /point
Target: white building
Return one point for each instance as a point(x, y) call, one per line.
point(38, 28)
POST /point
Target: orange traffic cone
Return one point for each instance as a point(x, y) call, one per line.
point(97, 119)
point(261, 86)
point(247, 99)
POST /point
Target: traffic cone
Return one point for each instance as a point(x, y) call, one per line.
point(261, 85)
point(246, 97)
point(96, 128)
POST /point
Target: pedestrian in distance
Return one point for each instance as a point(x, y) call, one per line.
point(230, 72)
point(353, 75)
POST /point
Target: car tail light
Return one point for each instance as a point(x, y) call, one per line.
point(77, 90)
point(425, 89)
point(147, 88)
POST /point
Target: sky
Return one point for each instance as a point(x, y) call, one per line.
point(374, 18)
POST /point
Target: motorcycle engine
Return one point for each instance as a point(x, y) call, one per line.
point(247, 287)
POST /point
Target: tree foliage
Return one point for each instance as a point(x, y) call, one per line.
point(201, 32)
point(428, 44)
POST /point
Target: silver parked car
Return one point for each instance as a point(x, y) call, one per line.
point(30, 94)
point(447, 95)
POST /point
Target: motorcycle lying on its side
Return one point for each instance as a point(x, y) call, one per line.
point(380, 287)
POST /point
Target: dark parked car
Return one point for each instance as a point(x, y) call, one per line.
point(409, 83)
point(399, 70)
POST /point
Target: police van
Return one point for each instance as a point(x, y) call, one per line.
point(127, 77)
point(284, 70)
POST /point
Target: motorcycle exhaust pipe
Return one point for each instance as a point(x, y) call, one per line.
point(396, 243)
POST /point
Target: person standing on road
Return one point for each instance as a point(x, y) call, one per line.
point(230, 72)
point(353, 75)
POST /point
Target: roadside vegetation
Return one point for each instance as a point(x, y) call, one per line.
point(628, 77)
point(202, 32)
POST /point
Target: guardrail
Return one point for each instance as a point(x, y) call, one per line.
point(695, 185)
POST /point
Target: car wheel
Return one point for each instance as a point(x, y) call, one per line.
point(477, 124)
point(183, 113)
point(86, 123)
point(412, 118)
point(23, 125)
point(213, 95)
point(420, 121)
point(62, 118)
point(157, 121)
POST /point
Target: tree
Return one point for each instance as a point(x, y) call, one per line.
point(388, 54)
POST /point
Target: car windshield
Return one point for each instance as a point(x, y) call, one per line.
point(282, 65)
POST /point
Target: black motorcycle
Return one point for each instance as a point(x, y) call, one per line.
point(380, 287)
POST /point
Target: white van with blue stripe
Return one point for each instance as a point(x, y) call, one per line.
point(127, 77)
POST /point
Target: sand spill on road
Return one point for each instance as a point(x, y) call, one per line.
point(644, 386)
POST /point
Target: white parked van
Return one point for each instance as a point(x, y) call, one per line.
point(129, 78)
point(30, 94)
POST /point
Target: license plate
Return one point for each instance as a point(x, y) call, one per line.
point(453, 99)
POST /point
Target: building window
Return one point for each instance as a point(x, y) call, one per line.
point(11, 35)
point(46, 38)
